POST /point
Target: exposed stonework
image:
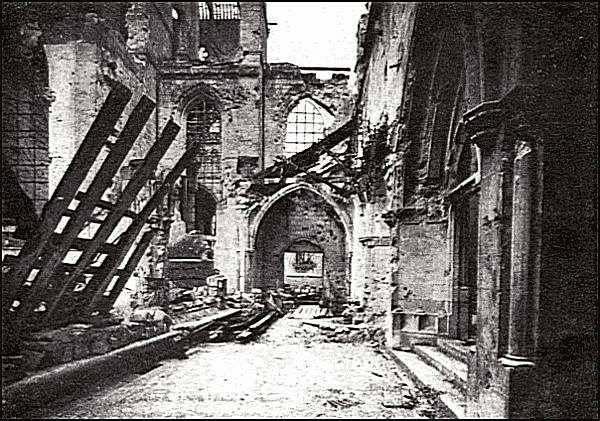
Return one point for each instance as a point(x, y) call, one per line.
point(468, 188)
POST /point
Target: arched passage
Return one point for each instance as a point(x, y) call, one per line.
point(300, 221)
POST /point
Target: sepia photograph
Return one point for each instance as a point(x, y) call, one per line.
point(302, 210)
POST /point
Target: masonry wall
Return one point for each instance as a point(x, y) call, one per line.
point(392, 267)
point(25, 135)
point(382, 65)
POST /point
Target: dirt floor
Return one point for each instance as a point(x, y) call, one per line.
point(289, 372)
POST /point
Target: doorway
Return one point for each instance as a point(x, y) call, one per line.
point(466, 240)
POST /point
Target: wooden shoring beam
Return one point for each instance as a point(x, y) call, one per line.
point(44, 286)
point(319, 179)
point(133, 187)
point(100, 130)
point(73, 303)
point(109, 298)
point(97, 286)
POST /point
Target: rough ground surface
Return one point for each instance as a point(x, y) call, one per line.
point(289, 372)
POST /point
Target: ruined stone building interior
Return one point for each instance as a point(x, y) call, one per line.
point(449, 194)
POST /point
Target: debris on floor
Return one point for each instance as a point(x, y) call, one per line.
point(342, 403)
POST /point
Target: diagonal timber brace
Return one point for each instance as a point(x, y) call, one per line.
point(95, 290)
point(100, 130)
point(119, 210)
point(57, 248)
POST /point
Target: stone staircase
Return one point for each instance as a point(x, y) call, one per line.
point(442, 368)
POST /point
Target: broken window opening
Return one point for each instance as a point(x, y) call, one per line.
point(219, 11)
point(306, 124)
point(203, 126)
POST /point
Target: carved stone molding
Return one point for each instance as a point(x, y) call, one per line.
point(519, 111)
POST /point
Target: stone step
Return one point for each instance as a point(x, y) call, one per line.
point(450, 398)
point(454, 348)
point(453, 369)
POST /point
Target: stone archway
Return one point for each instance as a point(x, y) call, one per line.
point(299, 212)
point(256, 213)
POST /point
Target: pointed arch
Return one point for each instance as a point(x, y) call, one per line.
point(260, 209)
point(200, 90)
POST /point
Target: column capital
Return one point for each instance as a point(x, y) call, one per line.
point(517, 111)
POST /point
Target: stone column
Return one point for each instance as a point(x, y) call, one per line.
point(521, 339)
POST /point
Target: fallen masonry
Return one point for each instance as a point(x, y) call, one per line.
point(62, 360)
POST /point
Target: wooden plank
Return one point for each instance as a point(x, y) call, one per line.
point(99, 283)
point(196, 324)
point(91, 219)
point(257, 328)
point(308, 157)
point(101, 128)
point(81, 244)
point(261, 323)
point(128, 195)
point(56, 251)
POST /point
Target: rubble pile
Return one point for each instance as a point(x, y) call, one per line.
point(256, 311)
point(352, 326)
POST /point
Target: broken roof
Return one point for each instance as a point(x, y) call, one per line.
point(310, 156)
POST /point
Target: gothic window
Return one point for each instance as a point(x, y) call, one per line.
point(204, 126)
point(226, 10)
point(306, 125)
